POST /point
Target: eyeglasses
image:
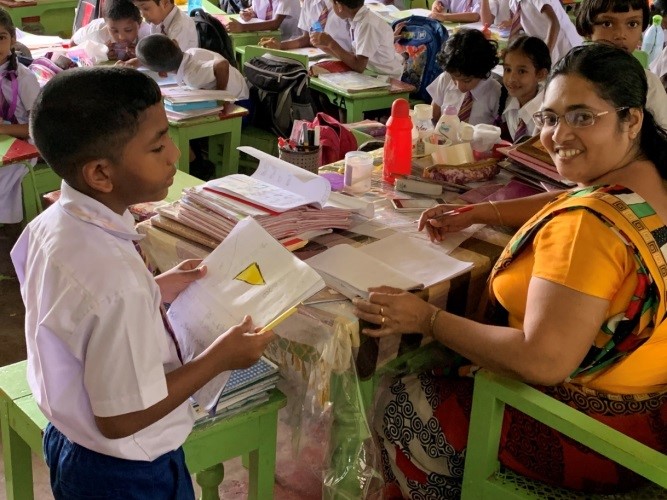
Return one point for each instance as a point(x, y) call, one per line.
point(577, 118)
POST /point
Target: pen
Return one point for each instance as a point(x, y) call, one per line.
point(278, 320)
point(325, 301)
point(456, 211)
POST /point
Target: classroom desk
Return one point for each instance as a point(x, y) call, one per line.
point(224, 136)
point(56, 16)
point(333, 371)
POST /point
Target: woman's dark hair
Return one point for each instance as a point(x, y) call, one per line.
point(469, 53)
point(534, 48)
point(7, 23)
point(589, 10)
point(620, 80)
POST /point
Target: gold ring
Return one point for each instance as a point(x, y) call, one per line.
point(383, 319)
point(381, 311)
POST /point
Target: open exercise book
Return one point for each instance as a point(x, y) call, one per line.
point(248, 273)
point(398, 260)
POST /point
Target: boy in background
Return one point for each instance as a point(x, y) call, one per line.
point(196, 68)
point(274, 14)
point(372, 40)
point(120, 29)
point(167, 19)
point(103, 363)
point(456, 11)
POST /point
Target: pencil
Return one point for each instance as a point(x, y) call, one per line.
point(282, 317)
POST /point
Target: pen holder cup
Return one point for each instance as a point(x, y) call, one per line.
point(308, 160)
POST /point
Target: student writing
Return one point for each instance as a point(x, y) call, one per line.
point(167, 19)
point(276, 14)
point(456, 11)
point(94, 322)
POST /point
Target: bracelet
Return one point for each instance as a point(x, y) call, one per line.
point(500, 217)
point(434, 317)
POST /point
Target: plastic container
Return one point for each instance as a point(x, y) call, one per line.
point(358, 172)
point(398, 142)
point(422, 120)
point(308, 160)
point(466, 132)
point(448, 124)
point(654, 39)
point(485, 136)
point(194, 4)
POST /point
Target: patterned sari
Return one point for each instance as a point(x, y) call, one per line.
point(424, 427)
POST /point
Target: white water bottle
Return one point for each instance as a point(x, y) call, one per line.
point(654, 39)
point(448, 124)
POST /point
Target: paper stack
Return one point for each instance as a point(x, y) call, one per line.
point(181, 103)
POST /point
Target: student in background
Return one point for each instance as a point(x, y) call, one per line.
point(275, 14)
point(120, 29)
point(496, 12)
point(19, 88)
point(467, 59)
point(196, 68)
point(167, 19)
point(95, 321)
point(372, 40)
point(621, 23)
point(545, 19)
point(526, 64)
point(456, 11)
point(316, 16)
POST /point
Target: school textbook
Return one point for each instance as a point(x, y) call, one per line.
point(351, 81)
point(399, 260)
point(248, 273)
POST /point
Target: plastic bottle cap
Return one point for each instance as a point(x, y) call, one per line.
point(451, 110)
point(657, 19)
point(400, 108)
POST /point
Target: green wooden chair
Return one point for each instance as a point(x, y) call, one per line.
point(485, 478)
point(642, 57)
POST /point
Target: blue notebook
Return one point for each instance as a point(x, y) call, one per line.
point(243, 378)
point(187, 106)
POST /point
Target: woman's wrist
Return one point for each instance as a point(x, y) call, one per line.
point(495, 217)
point(429, 330)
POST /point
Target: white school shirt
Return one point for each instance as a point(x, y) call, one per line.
point(444, 92)
point(656, 99)
point(96, 31)
point(196, 71)
point(458, 6)
point(373, 37)
point(336, 27)
point(535, 23)
point(95, 337)
point(290, 8)
point(11, 206)
point(513, 113)
point(179, 26)
point(659, 64)
point(500, 10)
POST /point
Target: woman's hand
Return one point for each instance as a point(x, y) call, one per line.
point(394, 311)
point(174, 281)
point(438, 227)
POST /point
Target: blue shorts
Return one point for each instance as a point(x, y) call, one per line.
point(78, 473)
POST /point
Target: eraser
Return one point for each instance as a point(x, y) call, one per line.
point(413, 186)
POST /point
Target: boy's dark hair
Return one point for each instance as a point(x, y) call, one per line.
point(84, 114)
point(7, 23)
point(157, 2)
point(351, 4)
point(159, 53)
point(589, 10)
point(116, 10)
point(469, 53)
point(659, 7)
point(533, 48)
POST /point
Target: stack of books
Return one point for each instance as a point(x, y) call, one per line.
point(531, 162)
point(182, 103)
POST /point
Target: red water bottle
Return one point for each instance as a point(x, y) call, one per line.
point(398, 142)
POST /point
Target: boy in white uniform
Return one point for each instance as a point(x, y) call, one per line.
point(196, 68)
point(167, 19)
point(102, 363)
point(456, 11)
point(372, 40)
point(275, 14)
point(120, 29)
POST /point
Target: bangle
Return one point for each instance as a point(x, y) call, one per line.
point(434, 317)
point(500, 218)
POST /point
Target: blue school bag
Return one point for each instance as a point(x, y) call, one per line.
point(419, 42)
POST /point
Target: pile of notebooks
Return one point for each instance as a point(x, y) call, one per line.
point(182, 103)
point(531, 162)
point(244, 390)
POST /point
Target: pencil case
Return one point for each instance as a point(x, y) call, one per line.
point(476, 171)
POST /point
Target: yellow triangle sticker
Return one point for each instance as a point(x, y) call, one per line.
point(251, 275)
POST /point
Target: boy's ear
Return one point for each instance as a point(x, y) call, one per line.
point(96, 174)
point(542, 74)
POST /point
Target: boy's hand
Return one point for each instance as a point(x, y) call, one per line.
point(320, 39)
point(174, 281)
point(132, 63)
point(247, 14)
point(233, 26)
point(240, 346)
point(438, 7)
point(111, 52)
point(269, 43)
point(398, 29)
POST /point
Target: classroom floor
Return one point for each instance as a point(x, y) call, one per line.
point(293, 481)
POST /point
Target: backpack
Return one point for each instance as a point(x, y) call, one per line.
point(234, 6)
point(86, 11)
point(44, 69)
point(335, 139)
point(280, 93)
point(421, 39)
point(213, 36)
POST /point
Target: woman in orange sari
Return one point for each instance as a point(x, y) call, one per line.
point(577, 300)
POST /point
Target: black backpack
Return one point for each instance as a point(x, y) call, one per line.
point(213, 35)
point(234, 6)
point(279, 90)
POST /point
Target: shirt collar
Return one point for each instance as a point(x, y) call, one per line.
point(85, 208)
point(532, 106)
point(482, 89)
point(166, 22)
point(361, 13)
point(180, 73)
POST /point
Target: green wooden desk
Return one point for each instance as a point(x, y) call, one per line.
point(210, 442)
point(224, 133)
point(57, 16)
point(357, 103)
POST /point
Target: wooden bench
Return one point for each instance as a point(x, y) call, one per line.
point(252, 434)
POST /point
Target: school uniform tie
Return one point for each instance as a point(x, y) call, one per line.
point(468, 6)
point(324, 15)
point(163, 310)
point(8, 107)
point(269, 11)
point(521, 130)
point(466, 107)
point(162, 30)
point(515, 27)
